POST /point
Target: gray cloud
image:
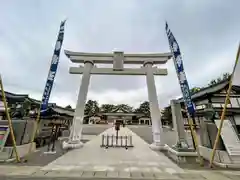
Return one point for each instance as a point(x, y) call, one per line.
point(207, 32)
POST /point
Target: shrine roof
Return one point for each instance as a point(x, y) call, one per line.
point(25, 97)
point(119, 109)
point(14, 96)
point(212, 89)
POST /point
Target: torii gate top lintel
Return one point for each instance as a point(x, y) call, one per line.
point(109, 58)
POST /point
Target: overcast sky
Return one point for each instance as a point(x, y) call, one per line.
point(207, 32)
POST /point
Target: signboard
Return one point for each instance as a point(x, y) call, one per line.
point(4, 132)
point(2, 108)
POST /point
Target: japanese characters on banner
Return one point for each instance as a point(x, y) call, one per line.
point(53, 68)
point(177, 58)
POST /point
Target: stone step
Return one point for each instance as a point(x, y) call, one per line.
point(230, 138)
point(110, 174)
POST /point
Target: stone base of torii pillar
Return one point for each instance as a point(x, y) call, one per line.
point(157, 147)
point(74, 140)
point(72, 145)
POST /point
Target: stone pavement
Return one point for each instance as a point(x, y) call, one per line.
point(92, 157)
point(35, 172)
point(93, 162)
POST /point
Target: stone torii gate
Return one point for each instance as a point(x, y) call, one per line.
point(118, 59)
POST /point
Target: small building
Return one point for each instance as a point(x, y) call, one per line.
point(30, 106)
point(21, 106)
point(144, 120)
point(96, 119)
point(120, 115)
point(209, 103)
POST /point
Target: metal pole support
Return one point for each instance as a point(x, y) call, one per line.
point(103, 140)
point(112, 140)
point(130, 139)
point(107, 145)
point(126, 142)
point(117, 138)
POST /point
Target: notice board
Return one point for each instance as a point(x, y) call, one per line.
point(4, 132)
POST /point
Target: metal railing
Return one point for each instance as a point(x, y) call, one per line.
point(116, 141)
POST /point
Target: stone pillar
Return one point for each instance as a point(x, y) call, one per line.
point(157, 130)
point(74, 140)
point(178, 125)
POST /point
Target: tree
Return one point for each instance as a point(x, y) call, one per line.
point(91, 108)
point(212, 82)
point(68, 107)
point(124, 107)
point(26, 106)
point(194, 90)
point(144, 108)
point(107, 108)
point(167, 115)
point(224, 77)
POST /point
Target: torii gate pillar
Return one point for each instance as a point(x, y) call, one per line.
point(118, 59)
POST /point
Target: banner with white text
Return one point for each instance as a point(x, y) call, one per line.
point(177, 58)
point(53, 68)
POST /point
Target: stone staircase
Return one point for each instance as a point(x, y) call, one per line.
point(230, 139)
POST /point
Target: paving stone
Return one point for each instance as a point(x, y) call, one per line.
point(170, 170)
point(112, 174)
point(215, 176)
point(136, 174)
point(140, 158)
point(75, 173)
point(124, 174)
point(62, 174)
point(194, 176)
point(233, 177)
point(20, 173)
point(100, 174)
point(54, 173)
point(39, 173)
point(88, 174)
point(165, 176)
point(148, 175)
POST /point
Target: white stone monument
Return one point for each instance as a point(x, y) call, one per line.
point(118, 59)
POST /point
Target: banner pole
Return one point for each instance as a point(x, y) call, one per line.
point(178, 63)
point(9, 121)
point(50, 79)
point(221, 124)
point(195, 141)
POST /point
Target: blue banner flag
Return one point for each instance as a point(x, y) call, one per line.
point(177, 58)
point(53, 68)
